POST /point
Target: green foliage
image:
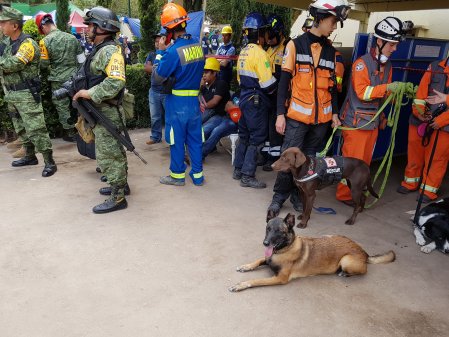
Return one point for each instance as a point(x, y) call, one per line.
point(193, 5)
point(138, 84)
point(104, 3)
point(150, 11)
point(62, 8)
point(30, 28)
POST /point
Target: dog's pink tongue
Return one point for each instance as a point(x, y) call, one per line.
point(269, 251)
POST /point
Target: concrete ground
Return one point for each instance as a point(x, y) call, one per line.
point(162, 267)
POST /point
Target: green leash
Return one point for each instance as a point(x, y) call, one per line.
point(406, 89)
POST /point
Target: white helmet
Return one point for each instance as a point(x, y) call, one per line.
point(338, 8)
point(206, 30)
point(389, 29)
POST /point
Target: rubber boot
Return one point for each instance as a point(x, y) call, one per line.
point(50, 167)
point(115, 202)
point(248, 181)
point(108, 190)
point(29, 158)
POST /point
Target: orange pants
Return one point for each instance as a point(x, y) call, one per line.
point(418, 160)
point(357, 144)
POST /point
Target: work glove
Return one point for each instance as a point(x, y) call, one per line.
point(393, 86)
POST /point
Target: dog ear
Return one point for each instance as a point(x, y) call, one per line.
point(300, 159)
point(290, 220)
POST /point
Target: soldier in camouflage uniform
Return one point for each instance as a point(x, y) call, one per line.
point(104, 71)
point(62, 53)
point(19, 63)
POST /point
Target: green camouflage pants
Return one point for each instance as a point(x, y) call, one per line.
point(29, 122)
point(62, 107)
point(111, 156)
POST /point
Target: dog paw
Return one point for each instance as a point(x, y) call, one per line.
point(428, 248)
point(349, 222)
point(301, 225)
point(419, 237)
point(239, 287)
point(243, 269)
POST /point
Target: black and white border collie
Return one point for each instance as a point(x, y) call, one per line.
point(432, 230)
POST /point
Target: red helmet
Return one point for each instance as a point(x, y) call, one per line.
point(42, 19)
point(173, 15)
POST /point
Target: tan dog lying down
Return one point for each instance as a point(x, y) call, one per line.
point(291, 256)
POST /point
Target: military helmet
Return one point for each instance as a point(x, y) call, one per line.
point(103, 18)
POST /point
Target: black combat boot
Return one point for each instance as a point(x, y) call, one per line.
point(115, 202)
point(29, 159)
point(69, 135)
point(50, 165)
point(248, 181)
point(108, 190)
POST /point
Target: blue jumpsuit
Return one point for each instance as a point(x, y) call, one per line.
point(184, 61)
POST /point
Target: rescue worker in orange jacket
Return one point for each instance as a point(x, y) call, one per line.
point(309, 78)
point(430, 112)
point(370, 83)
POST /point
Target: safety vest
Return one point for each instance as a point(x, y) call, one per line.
point(438, 82)
point(311, 99)
point(356, 112)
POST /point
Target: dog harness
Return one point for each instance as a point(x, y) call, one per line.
point(328, 169)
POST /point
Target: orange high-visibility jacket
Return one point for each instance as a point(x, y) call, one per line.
point(313, 69)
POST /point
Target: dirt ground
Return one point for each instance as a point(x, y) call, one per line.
point(163, 266)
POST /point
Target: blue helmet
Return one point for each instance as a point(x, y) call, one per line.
point(254, 20)
point(275, 23)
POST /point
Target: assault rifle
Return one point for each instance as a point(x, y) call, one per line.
point(92, 116)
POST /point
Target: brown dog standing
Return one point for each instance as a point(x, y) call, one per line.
point(355, 171)
point(291, 256)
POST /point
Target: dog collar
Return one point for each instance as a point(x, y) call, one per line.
point(311, 172)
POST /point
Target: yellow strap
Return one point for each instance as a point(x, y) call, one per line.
point(185, 92)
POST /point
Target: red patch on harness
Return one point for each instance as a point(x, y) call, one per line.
point(309, 172)
point(330, 162)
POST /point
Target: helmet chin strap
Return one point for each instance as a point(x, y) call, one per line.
point(381, 58)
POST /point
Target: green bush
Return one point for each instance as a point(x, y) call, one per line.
point(138, 84)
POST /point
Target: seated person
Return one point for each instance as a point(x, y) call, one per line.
point(213, 99)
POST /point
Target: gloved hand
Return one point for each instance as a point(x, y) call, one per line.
point(393, 86)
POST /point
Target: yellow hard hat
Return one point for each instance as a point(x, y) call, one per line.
point(226, 30)
point(212, 64)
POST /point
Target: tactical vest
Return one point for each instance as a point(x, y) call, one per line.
point(438, 82)
point(84, 79)
point(355, 112)
point(311, 100)
point(328, 169)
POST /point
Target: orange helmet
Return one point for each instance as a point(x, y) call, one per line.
point(42, 19)
point(173, 15)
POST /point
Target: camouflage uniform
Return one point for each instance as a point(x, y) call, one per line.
point(59, 51)
point(111, 156)
point(28, 115)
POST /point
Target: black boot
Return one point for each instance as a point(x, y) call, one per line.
point(108, 190)
point(115, 202)
point(25, 161)
point(248, 181)
point(104, 179)
point(69, 135)
point(50, 165)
